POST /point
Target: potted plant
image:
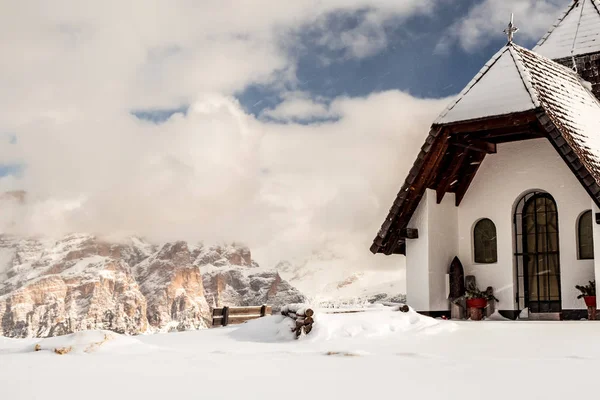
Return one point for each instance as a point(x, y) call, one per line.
point(588, 293)
point(478, 299)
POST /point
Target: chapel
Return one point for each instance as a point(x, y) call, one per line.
point(508, 180)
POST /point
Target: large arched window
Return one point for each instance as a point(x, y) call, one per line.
point(585, 238)
point(484, 242)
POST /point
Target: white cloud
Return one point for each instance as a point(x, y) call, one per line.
point(487, 20)
point(336, 181)
point(299, 106)
point(219, 174)
point(61, 56)
point(366, 39)
point(72, 71)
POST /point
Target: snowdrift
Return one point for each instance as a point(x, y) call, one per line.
point(84, 342)
point(370, 323)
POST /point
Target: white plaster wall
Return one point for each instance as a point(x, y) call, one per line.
point(502, 179)
point(417, 260)
point(443, 246)
point(428, 258)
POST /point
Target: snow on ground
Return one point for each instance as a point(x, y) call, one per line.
point(376, 354)
point(85, 342)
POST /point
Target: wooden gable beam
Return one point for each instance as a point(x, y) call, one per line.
point(451, 177)
point(409, 233)
point(478, 138)
point(476, 145)
point(474, 164)
point(499, 133)
point(487, 124)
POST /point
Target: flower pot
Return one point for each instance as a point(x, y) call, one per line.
point(476, 303)
point(590, 301)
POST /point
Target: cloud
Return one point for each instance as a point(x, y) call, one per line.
point(487, 20)
point(73, 71)
point(59, 58)
point(218, 174)
point(299, 106)
point(367, 38)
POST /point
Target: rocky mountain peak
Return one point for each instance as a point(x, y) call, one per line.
point(176, 253)
point(224, 255)
point(80, 282)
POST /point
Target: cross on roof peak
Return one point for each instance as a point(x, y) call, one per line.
point(511, 29)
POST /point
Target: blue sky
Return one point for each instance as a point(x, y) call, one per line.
point(409, 62)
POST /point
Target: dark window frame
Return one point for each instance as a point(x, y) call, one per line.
point(585, 245)
point(537, 248)
point(485, 242)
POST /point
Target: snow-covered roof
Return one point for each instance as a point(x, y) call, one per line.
point(498, 89)
point(576, 32)
point(517, 80)
point(569, 104)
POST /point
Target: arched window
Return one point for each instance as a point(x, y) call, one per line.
point(585, 238)
point(484, 242)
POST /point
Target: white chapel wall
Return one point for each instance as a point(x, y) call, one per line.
point(417, 260)
point(503, 178)
point(429, 257)
point(443, 246)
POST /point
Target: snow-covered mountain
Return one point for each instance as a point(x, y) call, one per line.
point(231, 277)
point(80, 282)
point(326, 277)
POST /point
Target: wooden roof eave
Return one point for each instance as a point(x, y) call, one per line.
point(490, 123)
point(389, 240)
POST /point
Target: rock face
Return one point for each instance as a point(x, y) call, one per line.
point(173, 289)
point(232, 278)
point(77, 284)
point(50, 288)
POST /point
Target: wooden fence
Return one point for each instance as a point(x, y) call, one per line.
point(236, 315)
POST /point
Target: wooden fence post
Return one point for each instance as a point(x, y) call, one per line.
point(225, 320)
point(263, 310)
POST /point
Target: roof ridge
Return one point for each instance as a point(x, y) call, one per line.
point(578, 27)
point(482, 72)
point(524, 74)
point(560, 19)
point(555, 44)
point(596, 4)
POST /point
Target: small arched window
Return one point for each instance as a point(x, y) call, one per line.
point(484, 242)
point(585, 237)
